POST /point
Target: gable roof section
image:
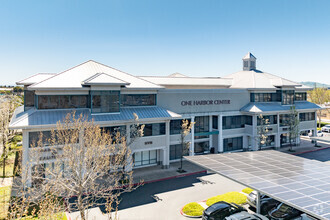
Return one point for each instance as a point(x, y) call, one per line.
point(72, 78)
point(103, 79)
point(35, 78)
point(256, 79)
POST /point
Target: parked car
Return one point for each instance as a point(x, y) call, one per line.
point(284, 212)
point(266, 203)
point(326, 128)
point(221, 210)
point(319, 134)
point(246, 216)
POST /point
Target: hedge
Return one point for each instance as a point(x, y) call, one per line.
point(193, 209)
point(229, 197)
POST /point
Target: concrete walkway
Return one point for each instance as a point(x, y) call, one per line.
point(156, 173)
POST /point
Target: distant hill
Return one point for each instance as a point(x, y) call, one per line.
point(312, 84)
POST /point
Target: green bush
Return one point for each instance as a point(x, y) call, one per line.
point(229, 197)
point(247, 190)
point(193, 209)
point(322, 124)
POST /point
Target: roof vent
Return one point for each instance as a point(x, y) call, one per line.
point(249, 62)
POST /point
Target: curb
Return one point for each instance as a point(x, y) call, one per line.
point(309, 151)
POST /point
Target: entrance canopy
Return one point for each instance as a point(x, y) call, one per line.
point(301, 183)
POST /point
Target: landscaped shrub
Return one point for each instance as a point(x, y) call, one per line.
point(229, 197)
point(247, 190)
point(193, 209)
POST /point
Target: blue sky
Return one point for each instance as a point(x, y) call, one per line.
point(290, 38)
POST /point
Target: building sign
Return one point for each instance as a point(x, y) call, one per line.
point(205, 102)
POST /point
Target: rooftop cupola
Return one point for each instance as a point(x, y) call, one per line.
point(249, 62)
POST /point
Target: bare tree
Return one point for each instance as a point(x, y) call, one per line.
point(89, 166)
point(186, 127)
point(262, 131)
point(293, 123)
point(319, 96)
point(8, 104)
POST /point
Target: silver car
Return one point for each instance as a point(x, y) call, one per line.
point(246, 216)
point(326, 128)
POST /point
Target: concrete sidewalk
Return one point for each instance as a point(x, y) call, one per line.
point(305, 146)
point(156, 173)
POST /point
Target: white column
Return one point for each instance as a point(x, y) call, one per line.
point(254, 143)
point(278, 135)
point(130, 157)
point(192, 144)
point(315, 128)
point(210, 129)
point(166, 151)
point(245, 142)
point(220, 140)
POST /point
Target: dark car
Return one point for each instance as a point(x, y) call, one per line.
point(221, 210)
point(266, 203)
point(283, 212)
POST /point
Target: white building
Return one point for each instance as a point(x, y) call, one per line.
point(225, 109)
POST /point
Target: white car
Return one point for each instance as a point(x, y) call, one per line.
point(246, 216)
point(326, 128)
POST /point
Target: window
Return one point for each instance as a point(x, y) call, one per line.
point(176, 151)
point(232, 144)
point(272, 119)
point(62, 101)
point(245, 63)
point(114, 129)
point(284, 120)
point(105, 101)
point(253, 65)
point(175, 126)
point(301, 96)
point(288, 97)
point(28, 99)
point(154, 129)
point(215, 122)
point(34, 138)
point(239, 121)
point(263, 97)
point(138, 100)
point(202, 124)
point(309, 116)
point(201, 147)
point(145, 158)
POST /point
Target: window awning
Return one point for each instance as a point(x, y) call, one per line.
point(301, 183)
point(264, 107)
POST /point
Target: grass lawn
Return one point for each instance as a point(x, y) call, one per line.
point(4, 200)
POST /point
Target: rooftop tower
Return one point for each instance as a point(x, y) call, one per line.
point(249, 62)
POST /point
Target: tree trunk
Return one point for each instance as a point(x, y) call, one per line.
point(81, 208)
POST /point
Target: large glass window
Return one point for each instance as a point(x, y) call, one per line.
point(239, 121)
point(145, 158)
point(175, 126)
point(62, 101)
point(288, 97)
point(176, 151)
point(284, 120)
point(34, 138)
point(215, 122)
point(138, 100)
point(272, 119)
point(28, 99)
point(114, 129)
point(308, 116)
point(202, 124)
point(154, 129)
point(232, 144)
point(264, 97)
point(105, 101)
point(201, 147)
point(300, 96)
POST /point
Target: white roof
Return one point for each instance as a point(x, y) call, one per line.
point(103, 79)
point(72, 78)
point(248, 56)
point(183, 80)
point(256, 79)
point(35, 78)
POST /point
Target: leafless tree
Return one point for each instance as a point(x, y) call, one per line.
point(293, 123)
point(8, 104)
point(262, 130)
point(186, 127)
point(87, 165)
